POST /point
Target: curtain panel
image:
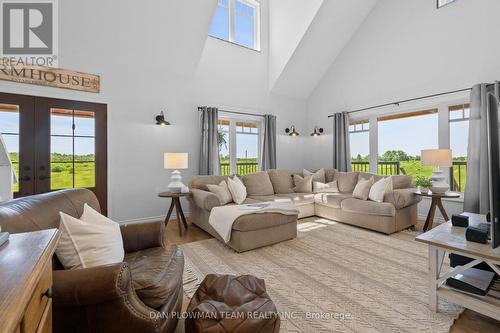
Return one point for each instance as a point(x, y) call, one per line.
point(209, 147)
point(476, 197)
point(268, 160)
point(341, 146)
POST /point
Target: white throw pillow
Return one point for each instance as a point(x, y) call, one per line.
point(379, 189)
point(237, 189)
point(318, 176)
point(222, 192)
point(92, 242)
point(331, 187)
point(362, 189)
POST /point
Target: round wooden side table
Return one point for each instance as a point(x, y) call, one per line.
point(436, 202)
point(176, 202)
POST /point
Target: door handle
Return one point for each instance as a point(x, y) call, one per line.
point(43, 177)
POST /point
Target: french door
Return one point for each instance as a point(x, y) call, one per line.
point(55, 144)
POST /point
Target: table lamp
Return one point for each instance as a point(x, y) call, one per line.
point(438, 158)
point(175, 161)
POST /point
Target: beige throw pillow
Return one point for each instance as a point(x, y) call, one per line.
point(237, 189)
point(362, 189)
point(222, 192)
point(302, 184)
point(331, 187)
point(93, 240)
point(379, 189)
point(318, 176)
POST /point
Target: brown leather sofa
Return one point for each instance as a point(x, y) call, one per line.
point(137, 295)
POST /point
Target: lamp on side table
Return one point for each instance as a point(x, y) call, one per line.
point(175, 161)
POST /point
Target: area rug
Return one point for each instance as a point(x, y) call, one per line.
point(334, 278)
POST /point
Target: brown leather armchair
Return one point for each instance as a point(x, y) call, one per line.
point(142, 294)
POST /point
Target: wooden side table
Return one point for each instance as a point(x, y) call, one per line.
point(176, 202)
point(436, 202)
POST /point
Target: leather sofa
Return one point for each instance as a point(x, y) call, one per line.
point(398, 210)
point(131, 296)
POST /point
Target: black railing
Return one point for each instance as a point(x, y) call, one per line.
point(243, 168)
point(384, 168)
point(458, 175)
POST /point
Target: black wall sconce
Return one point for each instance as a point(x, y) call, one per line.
point(291, 131)
point(160, 120)
point(317, 131)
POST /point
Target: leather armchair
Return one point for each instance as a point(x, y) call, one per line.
point(142, 294)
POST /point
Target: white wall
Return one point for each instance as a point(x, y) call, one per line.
point(154, 56)
point(407, 49)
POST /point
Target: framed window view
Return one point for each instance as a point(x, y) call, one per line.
point(442, 3)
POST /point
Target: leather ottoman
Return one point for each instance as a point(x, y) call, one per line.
point(228, 303)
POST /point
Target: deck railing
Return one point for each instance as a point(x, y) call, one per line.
point(458, 173)
point(243, 168)
point(384, 168)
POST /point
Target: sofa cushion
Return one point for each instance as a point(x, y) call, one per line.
point(358, 206)
point(302, 184)
point(260, 198)
point(152, 273)
point(298, 199)
point(318, 176)
point(329, 174)
point(379, 189)
point(200, 182)
point(362, 189)
point(262, 221)
point(367, 176)
point(402, 181)
point(402, 198)
point(346, 181)
point(282, 181)
point(238, 189)
point(331, 187)
point(258, 183)
point(204, 199)
point(221, 191)
point(331, 199)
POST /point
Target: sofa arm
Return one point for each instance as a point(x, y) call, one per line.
point(204, 199)
point(402, 198)
point(144, 235)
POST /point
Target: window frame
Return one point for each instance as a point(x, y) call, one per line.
point(231, 29)
point(232, 144)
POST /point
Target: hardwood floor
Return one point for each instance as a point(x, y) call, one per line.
point(468, 322)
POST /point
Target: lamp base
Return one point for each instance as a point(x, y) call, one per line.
point(439, 185)
point(176, 185)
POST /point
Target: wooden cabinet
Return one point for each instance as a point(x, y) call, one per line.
point(26, 282)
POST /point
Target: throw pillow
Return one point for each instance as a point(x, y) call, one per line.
point(362, 189)
point(221, 191)
point(379, 189)
point(94, 242)
point(318, 176)
point(237, 189)
point(331, 187)
point(302, 184)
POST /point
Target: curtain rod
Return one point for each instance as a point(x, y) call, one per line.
point(407, 100)
point(234, 112)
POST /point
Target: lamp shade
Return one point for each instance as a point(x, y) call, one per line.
point(436, 157)
point(175, 161)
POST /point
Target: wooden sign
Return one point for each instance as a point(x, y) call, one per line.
point(52, 77)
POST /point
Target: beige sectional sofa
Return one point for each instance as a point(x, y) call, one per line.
point(397, 211)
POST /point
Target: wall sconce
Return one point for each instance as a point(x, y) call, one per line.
point(160, 120)
point(291, 131)
point(317, 131)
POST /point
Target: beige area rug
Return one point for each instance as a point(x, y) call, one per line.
point(334, 278)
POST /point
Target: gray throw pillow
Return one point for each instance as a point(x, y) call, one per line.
point(302, 184)
point(362, 189)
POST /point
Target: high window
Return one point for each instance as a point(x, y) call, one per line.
point(459, 136)
point(359, 137)
point(239, 146)
point(402, 137)
point(237, 21)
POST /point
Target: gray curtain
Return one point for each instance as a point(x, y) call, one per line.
point(341, 147)
point(209, 148)
point(476, 198)
point(269, 143)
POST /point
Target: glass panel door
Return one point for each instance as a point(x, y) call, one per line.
point(10, 131)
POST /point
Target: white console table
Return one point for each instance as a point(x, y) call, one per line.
point(447, 238)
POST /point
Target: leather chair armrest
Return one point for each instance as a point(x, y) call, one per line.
point(402, 198)
point(144, 235)
point(87, 286)
point(204, 199)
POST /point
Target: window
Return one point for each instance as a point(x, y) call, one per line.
point(459, 136)
point(401, 138)
point(239, 146)
point(237, 21)
point(359, 138)
point(442, 3)
point(9, 128)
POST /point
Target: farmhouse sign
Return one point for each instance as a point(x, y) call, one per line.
point(52, 77)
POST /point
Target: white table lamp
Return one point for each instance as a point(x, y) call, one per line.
point(440, 158)
point(175, 161)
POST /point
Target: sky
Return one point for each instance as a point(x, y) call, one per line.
point(243, 23)
point(246, 146)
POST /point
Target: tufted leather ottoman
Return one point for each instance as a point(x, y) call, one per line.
point(228, 303)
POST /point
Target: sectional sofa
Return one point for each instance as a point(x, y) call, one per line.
point(398, 210)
